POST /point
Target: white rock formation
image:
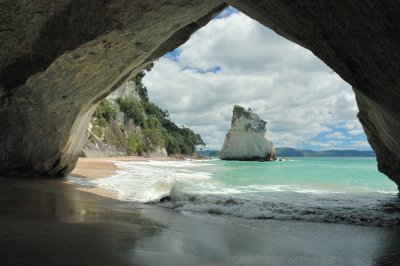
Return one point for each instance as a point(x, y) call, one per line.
point(125, 89)
point(247, 139)
point(156, 153)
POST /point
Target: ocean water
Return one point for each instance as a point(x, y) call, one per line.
point(333, 190)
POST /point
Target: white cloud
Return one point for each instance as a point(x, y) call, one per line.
point(336, 135)
point(282, 82)
point(341, 145)
point(361, 145)
point(354, 128)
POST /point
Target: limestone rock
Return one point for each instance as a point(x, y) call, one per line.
point(95, 146)
point(247, 139)
point(126, 89)
point(59, 59)
point(360, 42)
point(158, 152)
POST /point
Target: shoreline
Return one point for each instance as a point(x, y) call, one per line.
point(94, 168)
point(101, 167)
point(60, 222)
point(51, 222)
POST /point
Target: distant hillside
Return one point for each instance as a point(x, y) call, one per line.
point(209, 153)
point(290, 152)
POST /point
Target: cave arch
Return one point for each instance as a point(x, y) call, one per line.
point(44, 112)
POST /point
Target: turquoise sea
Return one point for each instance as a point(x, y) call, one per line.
point(334, 190)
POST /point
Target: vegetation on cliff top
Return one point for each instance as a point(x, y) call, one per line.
point(156, 130)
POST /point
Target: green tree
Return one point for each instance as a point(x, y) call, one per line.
point(132, 108)
point(134, 144)
point(105, 112)
point(152, 122)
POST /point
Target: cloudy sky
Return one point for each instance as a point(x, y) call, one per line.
point(236, 60)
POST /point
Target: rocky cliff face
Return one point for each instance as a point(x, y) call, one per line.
point(59, 59)
point(128, 123)
point(111, 138)
point(108, 139)
point(247, 140)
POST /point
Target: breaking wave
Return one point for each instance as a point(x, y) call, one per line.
point(193, 186)
point(372, 211)
point(149, 181)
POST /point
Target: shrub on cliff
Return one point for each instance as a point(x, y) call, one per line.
point(156, 130)
point(135, 145)
point(132, 108)
point(140, 88)
point(105, 113)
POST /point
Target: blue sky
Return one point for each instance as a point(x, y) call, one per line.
point(235, 60)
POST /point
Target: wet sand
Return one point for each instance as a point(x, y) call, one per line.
point(95, 167)
point(49, 222)
point(103, 166)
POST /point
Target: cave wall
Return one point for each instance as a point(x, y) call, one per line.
point(59, 58)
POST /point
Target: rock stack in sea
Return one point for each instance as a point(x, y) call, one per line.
point(247, 139)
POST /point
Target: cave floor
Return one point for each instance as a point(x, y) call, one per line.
point(49, 222)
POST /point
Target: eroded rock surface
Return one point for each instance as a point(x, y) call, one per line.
point(58, 59)
point(247, 140)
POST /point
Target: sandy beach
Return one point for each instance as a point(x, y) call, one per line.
point(101, 167)
point(56, 223)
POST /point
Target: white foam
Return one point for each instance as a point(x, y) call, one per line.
point(192, 188)
point(266, 188)
point(81, 181)
point(137, 188)
point(150, 181)
point(389, 192)
point(168, 164)
point(361, 212)
point(316, 191)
